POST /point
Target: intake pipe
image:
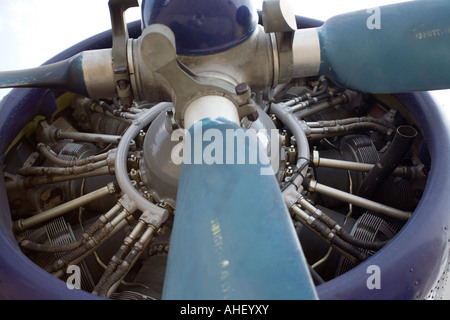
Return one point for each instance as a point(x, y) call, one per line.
point(399, 147)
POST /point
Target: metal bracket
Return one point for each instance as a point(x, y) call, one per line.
point(158, 51)
point(279, 19)
point(278, 16)
point(117, 9)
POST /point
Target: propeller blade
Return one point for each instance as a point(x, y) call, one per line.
point(390, 49)
point(88, 73)
point(66, 74)
point(232, 237)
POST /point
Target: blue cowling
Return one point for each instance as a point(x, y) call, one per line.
point(203, 26)
point(232, 237)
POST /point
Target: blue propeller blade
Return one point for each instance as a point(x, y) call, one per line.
point(63, 75)
point(390, 49)
point(232, 236)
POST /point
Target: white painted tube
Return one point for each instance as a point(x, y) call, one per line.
point(212, 107)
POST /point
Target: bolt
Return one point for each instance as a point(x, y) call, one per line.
point(289, 171)
point(284, 138)
point(292, 154)
point(242, 88)
point(123, 84)
point(274, 120)
point(169, 113)
point(253, 116)
point(134, 175)
point(175, 126)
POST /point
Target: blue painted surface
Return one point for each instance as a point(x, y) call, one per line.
point(410, 51)
point(232, 237)
point(203, 27)
point(59, 76)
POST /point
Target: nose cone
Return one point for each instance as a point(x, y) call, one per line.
point(203, 26)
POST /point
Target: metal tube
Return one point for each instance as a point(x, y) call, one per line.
point(24, 224)
point(121, 160)
point(340, 232)
point(120, 115)
point(122, 270)
point(333, 123)
point(322, 106)
point(118, 257)
point(290, 121)
point(358, 166)
point(90, 137)
point(40, 171)
point(122, 224)
point(58, 268)
point(342, 164)
point(75, 256)
point(47, 153)
point(30, 182)
point(346, 128)
point(359, 201)
point(327, 235)
point(30, 245)
point(399, 147)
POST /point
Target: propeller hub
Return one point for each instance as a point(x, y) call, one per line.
point(203, 27)
point(164, 149)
